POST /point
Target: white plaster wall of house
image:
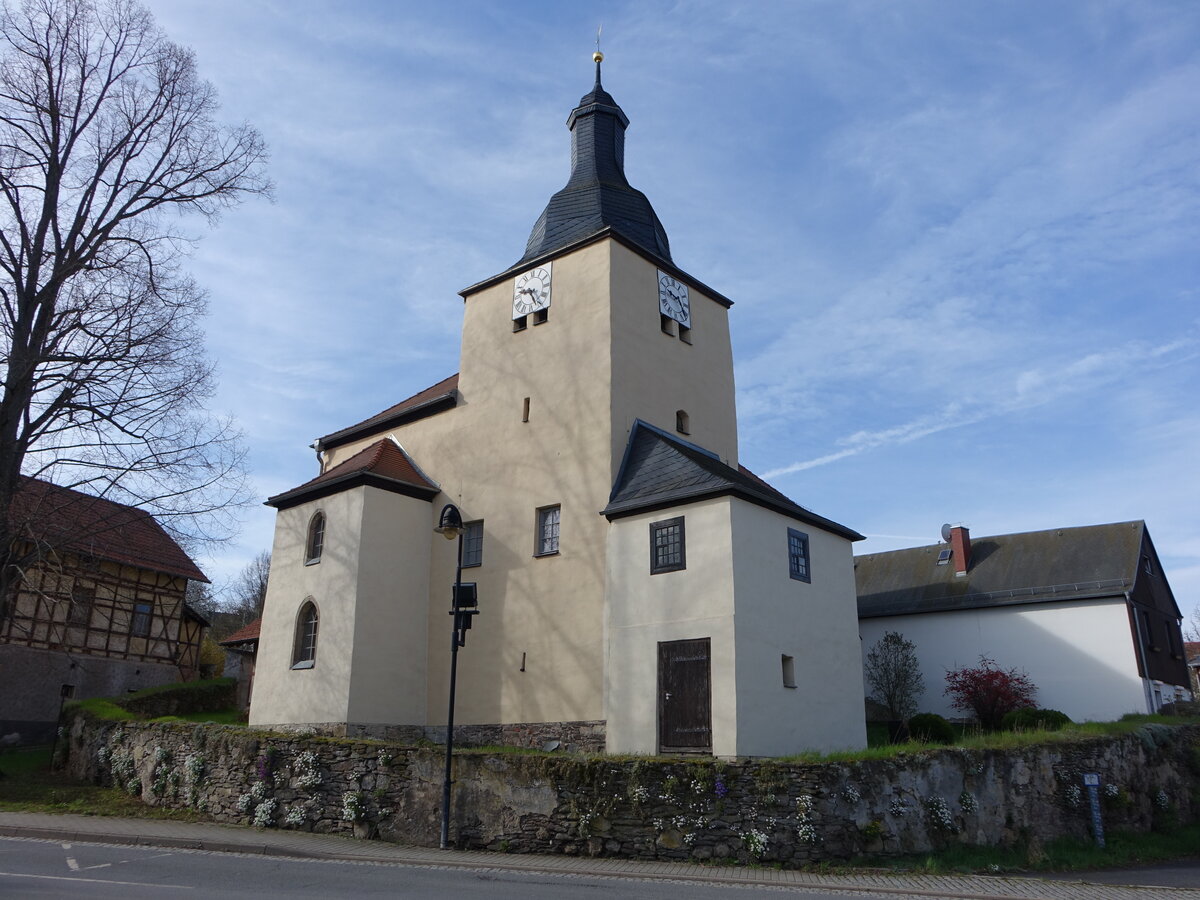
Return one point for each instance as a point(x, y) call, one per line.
point(388, 669)
point(815, 623)
point(321, 694)
point(655, 375)
point(645, 609)
point(1079, 654)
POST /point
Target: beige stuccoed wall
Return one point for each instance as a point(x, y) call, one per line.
point(645, 609)
point(1079, 654)
point(320, 694)
point(598, 363)
point(655, 374)
point(391, 614)
point(815, 623)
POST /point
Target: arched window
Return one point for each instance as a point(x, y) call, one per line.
point(681, 422)
point(316, 539)
point(304, 654)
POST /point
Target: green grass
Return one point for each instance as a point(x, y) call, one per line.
point(28, 785)
point(220, 717)
point(1064, 855)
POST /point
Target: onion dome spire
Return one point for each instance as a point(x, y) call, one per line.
point(597, 195)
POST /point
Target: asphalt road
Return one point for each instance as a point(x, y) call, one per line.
point(45, 869)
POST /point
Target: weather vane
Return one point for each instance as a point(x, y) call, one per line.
point(598, 56)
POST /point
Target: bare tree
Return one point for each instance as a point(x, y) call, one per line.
point(107, 143)
point(894, 673)
point(248, 591)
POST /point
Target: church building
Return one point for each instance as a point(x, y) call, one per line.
point(638, 590)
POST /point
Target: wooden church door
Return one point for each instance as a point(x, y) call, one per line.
point(684, 696)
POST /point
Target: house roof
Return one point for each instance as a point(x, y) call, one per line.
point(383, 464)
point(661, 471)
point(1081, 563)
point(432, 400)
point(245, 634)
point(67, 519)
point(597, 194)
point(1191, 650)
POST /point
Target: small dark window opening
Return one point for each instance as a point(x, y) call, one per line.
point(789, 671)
point(540, 316)
point(667, 324)
point(1149, 629)
point(682, 422)
point(685, 334)
point(667, 546)
point(944, 556)
point(1147, 567)
point(140, 625)
point(798, 566)
point(304, 652)
point(473, 544)
point(315, 545)
point(525, 411)
point(521, 323)
point(80, 611)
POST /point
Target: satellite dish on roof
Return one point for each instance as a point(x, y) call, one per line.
point(946, 532)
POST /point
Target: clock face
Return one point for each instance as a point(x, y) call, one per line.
point(531, 291)
point(673, 299)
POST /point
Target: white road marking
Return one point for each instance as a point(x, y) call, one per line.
point(72, 865)
point(99, 866)
point(177, 887)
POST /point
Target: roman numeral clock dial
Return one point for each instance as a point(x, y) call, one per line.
point(531, 291)
point(673, 299)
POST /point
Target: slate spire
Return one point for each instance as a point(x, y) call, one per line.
point(597, 195)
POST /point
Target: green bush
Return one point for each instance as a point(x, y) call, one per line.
point(931, 728)
point(1030, 719)
point(181, 698)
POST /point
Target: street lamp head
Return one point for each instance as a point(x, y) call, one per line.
point(450, 524)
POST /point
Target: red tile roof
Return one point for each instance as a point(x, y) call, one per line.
point(244, 634)
point(443, 390)
point(1191, 650)
point(104, 529)
point(383, 463)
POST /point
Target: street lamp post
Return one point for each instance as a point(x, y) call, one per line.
point(450, 526)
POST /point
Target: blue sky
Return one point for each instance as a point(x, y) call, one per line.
point(961, 237)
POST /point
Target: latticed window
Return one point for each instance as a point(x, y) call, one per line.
point(666, 546)
point(305, 653)
point(80, 611)
point(798, 555)
point(548, 523)
point(140, 625)
point(473, 544)
point(316, 539)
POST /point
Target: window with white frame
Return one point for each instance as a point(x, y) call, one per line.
point(315, 544)
point(548, 521)
point(798, 563)
point(304, 652)
point(473, 544)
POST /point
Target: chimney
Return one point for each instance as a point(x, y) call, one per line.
point(960, 543)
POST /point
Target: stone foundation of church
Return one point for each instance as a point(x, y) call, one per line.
point(586, 736)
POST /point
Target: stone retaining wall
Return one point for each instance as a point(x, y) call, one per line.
point(573, 737)
point(649, 808)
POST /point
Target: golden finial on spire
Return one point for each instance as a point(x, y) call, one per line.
point(598, 57)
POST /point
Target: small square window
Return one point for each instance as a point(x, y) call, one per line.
point(667, 546)
point(685, 334)
point(473, 544)
point(548, 520)
point(789, 671)
point(140, 626)
point(667, 324)
point(540, 316)
point(798, 566)
point(521, 323)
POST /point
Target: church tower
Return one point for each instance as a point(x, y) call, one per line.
point(589, 441)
